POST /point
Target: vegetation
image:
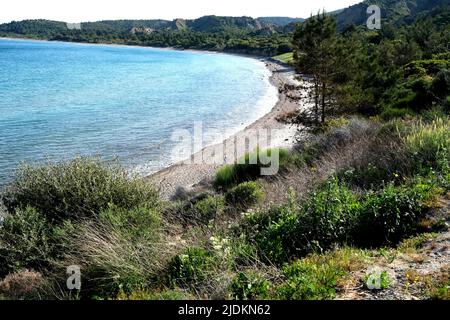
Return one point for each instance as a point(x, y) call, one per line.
point(231, 34)
point(364, 191)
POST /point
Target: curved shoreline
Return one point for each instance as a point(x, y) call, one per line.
point(186, 176)
point(191, 176)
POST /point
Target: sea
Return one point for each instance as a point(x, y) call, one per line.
point(131, 104)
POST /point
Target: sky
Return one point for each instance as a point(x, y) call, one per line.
point(94, 10)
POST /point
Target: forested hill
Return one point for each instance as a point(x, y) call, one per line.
point(394, 11)
point(262, 36)
point(265, 36)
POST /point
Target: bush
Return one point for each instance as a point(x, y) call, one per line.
point(248, 168)
point(75, 189)
point(392, 113)
point(135, 224)
point(23, 284)
point(324, 219)
point(307, 280)
point(249, 286)
point(208, 208)
point(391, 214)
point(191, 268)
point(328, 215)
point(26, 241)
point(244, 195)
point(441, 84)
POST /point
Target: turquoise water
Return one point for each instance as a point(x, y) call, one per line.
point(60, 100)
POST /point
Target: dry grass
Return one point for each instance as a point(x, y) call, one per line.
point(21, 285)
point(354, 145)
point(111, 259)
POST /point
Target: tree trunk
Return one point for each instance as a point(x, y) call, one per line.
point(316, 103)
point(324, 90)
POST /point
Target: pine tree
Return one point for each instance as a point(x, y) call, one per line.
point(315, 46)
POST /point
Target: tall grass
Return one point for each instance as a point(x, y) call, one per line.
point(117, 257)
point(430, 143)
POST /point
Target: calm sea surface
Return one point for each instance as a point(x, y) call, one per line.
point(60, 100)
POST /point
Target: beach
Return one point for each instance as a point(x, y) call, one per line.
point(192, 175)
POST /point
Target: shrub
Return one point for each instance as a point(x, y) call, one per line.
point(25, 242)
point(306, 280)
point(23, 284)
point(392, 113)
point(135, 224)
point(441, 84)
point(328, 215)
point(286, 232)
point(249, 286)
point(244, 195)
point(200, 209)
point(75, 189)
point(248, 168)
point(208, 208)
point(191, 267)
point(391, 214)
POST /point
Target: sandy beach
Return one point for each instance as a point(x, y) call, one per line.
point(187, 176)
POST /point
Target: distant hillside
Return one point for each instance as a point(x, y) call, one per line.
point(396, 11)
point(232, 34)
point(279, 21)
point(209, 24)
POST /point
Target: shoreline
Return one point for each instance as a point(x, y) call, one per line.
point(186, 177)
point(111, 44)
point(192, 177)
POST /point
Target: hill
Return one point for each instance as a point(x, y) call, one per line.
point(395, 11)
point(245, 35)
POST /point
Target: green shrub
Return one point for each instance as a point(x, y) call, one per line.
point(248, 168)
point(431, 67)
point(191, 267)
point(249, 286)
point(274, 233)
point(306, 280)
point(441, 84)
point(328, 215)
point(75, 189)
point(209, 208)
point(392, 113)
point(26, 242)
point(138, 223)
point(391, 214)
point(245, 195)
point(325, 218)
